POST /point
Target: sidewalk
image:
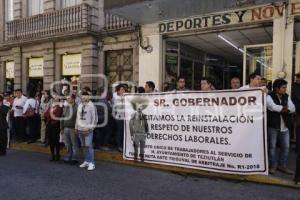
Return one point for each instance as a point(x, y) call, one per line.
point(113, 156)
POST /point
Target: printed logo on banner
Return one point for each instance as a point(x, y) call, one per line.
point(222, 131)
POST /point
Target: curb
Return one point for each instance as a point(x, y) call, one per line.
point(117, 157)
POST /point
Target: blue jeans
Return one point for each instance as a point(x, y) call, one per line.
point(284, 141)
point(71, 142)
point(87, 144)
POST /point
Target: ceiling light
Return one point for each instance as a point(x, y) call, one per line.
point(228, 42)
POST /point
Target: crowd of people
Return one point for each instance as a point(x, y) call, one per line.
point(81, 122)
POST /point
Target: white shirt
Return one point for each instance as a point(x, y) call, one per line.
point(277, 108)
point(19, 102)
point(118, 107)
point(245, 87)
point(31, 103)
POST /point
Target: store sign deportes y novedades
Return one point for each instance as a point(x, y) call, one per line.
point(256, 14)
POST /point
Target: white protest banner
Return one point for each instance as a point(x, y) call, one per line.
point(220, 131)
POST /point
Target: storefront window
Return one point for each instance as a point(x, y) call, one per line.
point(9, 10)
point(186, 71)
point(68, 3)
point(171, 64)
point(9, 75)
point(259, 60)
point(35, 7)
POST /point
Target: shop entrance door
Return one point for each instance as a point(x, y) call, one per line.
point(119, 66)
point(35, 85)
point(258, 58)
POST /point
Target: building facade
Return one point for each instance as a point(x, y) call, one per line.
point(46, 41)
point(218, 39)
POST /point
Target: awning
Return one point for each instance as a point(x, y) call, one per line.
point(151, 11)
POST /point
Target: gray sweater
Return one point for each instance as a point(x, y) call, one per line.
point(69, 117)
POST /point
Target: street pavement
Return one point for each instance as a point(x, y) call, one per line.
point(30, 176)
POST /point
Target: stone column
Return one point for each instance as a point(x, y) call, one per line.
point(18, 9)
point(2, 76)
point(151, 63)
point(2, 21)
point(24, 72)
point(297, 67)
point(18, 67)
point(93, 13)
point(49, 65)
point(90, 62)
point(283, 34)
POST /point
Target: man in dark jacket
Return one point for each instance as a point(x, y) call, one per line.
point(3, 126)
point(296, 100)
point(279, 107)
point(103, 132)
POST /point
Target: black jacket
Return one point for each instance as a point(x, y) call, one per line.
point(3, 117)
point(274, 120)
point(296, 96)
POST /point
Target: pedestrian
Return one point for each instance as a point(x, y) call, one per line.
point(167, 87)
point(206, 84)
point(52, 119)
point(181, 85)
point(296, 101)
point(46, 102)
point(149, 87)
point(297, 174)
point(254, 81)
point(235, 83)
point(67, 127)
point(86, 121)
point(280, 107)
point(103, 132)
point(8, 101)
point(140, 90)
point(19, 121)
point(4, 111)
point(118, 113)
point(30, 112)
point(77, 100)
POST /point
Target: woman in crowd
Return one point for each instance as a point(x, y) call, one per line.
point(51, 117)
point(118, 113)
point(46, 101)
point(30, 112)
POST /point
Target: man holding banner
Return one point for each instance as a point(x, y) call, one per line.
point(280, 106)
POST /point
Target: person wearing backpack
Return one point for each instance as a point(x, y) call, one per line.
point(30, 111)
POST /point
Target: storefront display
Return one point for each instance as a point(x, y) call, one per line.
point(9, 75)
